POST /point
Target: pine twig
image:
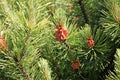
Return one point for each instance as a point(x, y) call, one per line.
point(56, 67)
point(83, 11)
point(23, 49)
point(57, 70)
point(25, 74)
point(70, 47)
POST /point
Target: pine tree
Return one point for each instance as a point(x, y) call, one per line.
point(59, 39)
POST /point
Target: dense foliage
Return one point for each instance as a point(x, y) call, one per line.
point(59, 39)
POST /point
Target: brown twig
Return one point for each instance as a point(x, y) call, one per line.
point(25, 74)
point(56, 67)
point(83, 11)
point(23, 49)
point(70, 47)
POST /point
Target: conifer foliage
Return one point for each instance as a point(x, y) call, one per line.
point(59, 39)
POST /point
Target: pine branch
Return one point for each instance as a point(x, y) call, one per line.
point(70, 47)
point(83, 11)
point(25, 74)
point(56, 67)
point(23, 49)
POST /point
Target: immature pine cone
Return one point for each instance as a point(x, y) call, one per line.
point(90, 42)
point(75, 65)
point(61, 33)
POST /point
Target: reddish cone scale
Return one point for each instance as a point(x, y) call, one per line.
point(3, 44)
point(75, 65)
point(61, 33)
point(90, 42)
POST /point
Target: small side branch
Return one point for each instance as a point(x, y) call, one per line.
point(25, 74)
point(83, 11)
point(24, 47)
point(70, 47)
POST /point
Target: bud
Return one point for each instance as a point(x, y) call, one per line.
point(90, 42)
point(3, 44)
point(75, 65)
point(61, 33)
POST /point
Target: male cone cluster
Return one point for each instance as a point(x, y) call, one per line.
point(3, 44)
point(61, 33)
point(90, 42)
